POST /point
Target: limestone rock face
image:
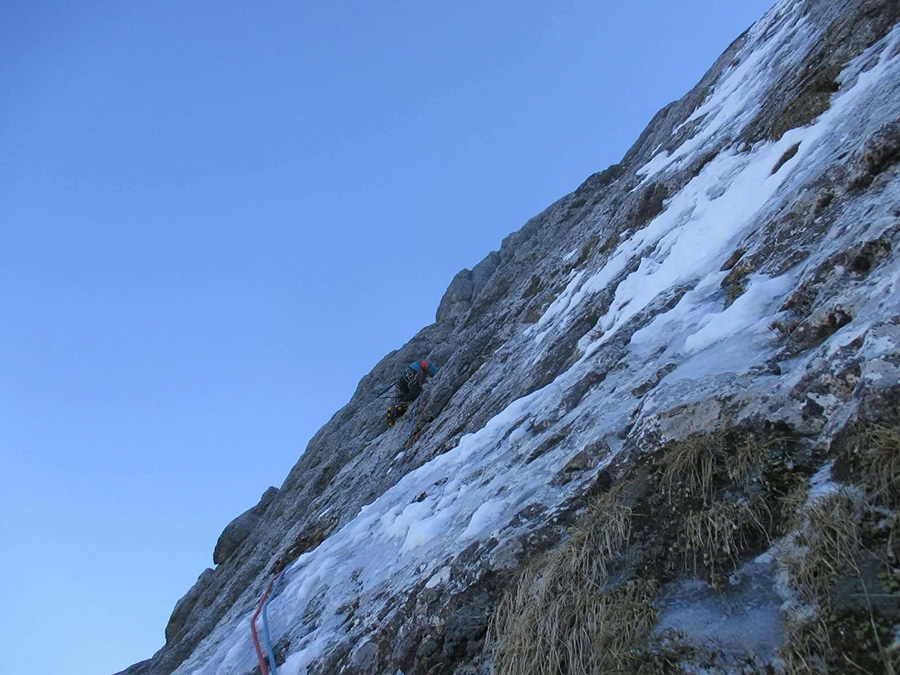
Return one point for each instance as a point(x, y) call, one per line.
point(465, 287)
point(239, 529)
point(183, 608)
point(458, 297)
point(738, 269)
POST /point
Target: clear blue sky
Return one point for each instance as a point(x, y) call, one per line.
point(215, 217)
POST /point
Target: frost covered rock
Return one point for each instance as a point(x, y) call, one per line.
point(736, 273)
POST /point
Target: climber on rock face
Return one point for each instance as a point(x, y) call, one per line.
point(408, 387)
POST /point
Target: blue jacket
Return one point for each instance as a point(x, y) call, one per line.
point(430, 369)
point(409, 384)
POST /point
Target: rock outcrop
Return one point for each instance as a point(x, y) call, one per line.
point(240, 528)
point(726, 297)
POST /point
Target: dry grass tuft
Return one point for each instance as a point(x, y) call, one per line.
point(561, 616)
point(599, 536)
point(749, 458)
point(828, 544)
point(841, 565)
point(882, 463)
point(689, 468)
point(807, 649)
point(575, 628)
point(793, 505)
point(817, 557)
point(716, 535)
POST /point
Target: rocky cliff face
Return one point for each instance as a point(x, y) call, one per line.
point(686, 340)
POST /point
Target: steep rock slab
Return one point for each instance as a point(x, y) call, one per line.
point(739, 266)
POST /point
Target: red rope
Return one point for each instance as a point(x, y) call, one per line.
point(263, 669)
point(417, 426)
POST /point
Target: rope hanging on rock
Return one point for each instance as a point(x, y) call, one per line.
point(266, 638)
point(416, 414)
point(259, 655)
point(412, 430)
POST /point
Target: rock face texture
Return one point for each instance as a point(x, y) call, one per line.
point(735, 276)
point(241, 527)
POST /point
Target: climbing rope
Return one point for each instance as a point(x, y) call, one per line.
point(416, 414)
point(259, 655)
point(266, 638)
point(412, 414)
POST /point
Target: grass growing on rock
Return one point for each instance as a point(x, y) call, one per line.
point(881, 462)
point(826, 546)
point(701, 504)
point(716, 535)
point(705, 505)
point(842, 564)
point(689, 468)
point(719, 488)
point(597, 539)
point(563, 615)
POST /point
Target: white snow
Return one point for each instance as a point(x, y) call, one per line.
point(821, 485)
point(562, 303)
point(484, 518)
point(442, 576)
point(429, 516)
point(693, 236)
point(296, 663)
point(744, 314)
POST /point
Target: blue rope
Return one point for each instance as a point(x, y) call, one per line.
point(266, 638)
